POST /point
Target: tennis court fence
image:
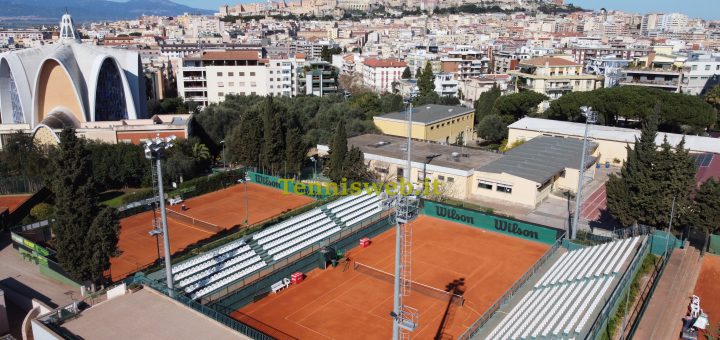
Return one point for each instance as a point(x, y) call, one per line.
point(420, 288)
point(193, 221)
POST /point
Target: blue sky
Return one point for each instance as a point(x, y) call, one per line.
point(707, 9)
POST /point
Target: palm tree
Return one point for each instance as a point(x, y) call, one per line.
point(200, 152)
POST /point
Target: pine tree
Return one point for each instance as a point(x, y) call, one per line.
point(85, 236)
point(338, 152)
point(628, 196)
point(426, 82)
point(705, 214)
point(245, 140)
point(485, 103)
point(273, 140)
point(295, 150)
point(406, 73)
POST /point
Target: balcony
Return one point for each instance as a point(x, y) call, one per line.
point(193, 68)
point(559, 87)
point(668, 84)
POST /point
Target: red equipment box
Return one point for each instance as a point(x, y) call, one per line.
point(297, 277)
point(364, 242)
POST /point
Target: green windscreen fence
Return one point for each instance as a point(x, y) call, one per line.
point(503, 225)
point(714, 244)
point(288, 185)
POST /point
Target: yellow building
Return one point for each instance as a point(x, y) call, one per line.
point(553, 77)
point(434, 123)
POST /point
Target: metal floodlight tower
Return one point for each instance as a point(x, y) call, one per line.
point(155, 150)
point(404, 317)
point(590, 118)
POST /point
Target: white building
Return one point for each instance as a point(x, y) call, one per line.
point(380, 74)
point(699, 70)
point(446, 85)
point(209, 76)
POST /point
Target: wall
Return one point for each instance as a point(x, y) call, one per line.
point(57, 90)
point(524, 192)
point(457, 189)
point(502, 225)
point(442, 131)
point(399, 128)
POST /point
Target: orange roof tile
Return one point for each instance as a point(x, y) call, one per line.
point(231, 55)
point(551, 61)
point(384, 63)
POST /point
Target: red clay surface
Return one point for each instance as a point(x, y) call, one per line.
point(225, 208)
point(707, 287)
point(12, 202)
point(342, 303)
point(594, 204)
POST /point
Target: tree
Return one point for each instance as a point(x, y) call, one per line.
point(354, 168)
point(519, 104)
point(244, 143)
point(406, 73)
point(200, 152)
point(83, 232)
point(273, 139)
point(418, 72)
point(706, 210)
point(295, 150)
point(492, 128)
point(426, 81)
point(325, 54)
point(650, 179)
point(712, 97)
point(338, 152)
point(484, 104)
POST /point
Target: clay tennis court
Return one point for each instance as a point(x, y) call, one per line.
point(12, 201)
point(224, 208)
point(708, 289)
point(344, 303)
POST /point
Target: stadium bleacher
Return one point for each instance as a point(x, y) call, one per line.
point(561, 303)
point(208, 272)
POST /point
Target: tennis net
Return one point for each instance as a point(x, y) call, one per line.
point(193, 221)
point(415, 286)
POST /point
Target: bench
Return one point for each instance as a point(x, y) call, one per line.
point(280, 285)
point(176, 200)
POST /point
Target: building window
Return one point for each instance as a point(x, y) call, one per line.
point(231, 74)
point(271, 72)
point(241, 83)
point(400, 172)
point(252, 74)
point(441, 178)
point(382, 170)
point(271, 86)
point(450, 180)
point(252, 93)
point(707, 67)
point(485, 185)
point(221, 94)
point(253, 84)
point(242, 74)
point(219, 74)
point(505, 189)
point(231, 84)
point(221, 84)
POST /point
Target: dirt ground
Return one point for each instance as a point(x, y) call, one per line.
point(224, 208)
point(707, 287)
point(343, 303)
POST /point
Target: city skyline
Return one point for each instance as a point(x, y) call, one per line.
point(706, 9)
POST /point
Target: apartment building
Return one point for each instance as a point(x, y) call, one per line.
point(317, 78)
point(380, 74)
point(553, 77)
point(660, 71)
point(466, 62)
point(702, 72)
point(446, 84)
point(209, 76)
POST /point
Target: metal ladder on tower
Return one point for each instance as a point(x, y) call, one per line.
point(408, 318)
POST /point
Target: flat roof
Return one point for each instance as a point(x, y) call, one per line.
point(617, 134)
point(428, 114)
point(396, 147)
point(540, 158)
point(146, 314)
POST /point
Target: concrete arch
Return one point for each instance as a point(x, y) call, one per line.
point(44, 135)
point(12, 67)
point(99, 64)
point(54, 75)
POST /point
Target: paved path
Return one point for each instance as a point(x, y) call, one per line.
point(25, 278)
point(668, 305)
